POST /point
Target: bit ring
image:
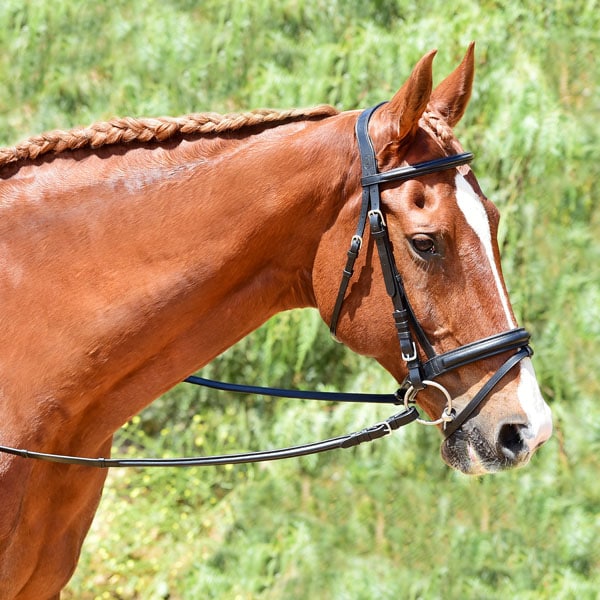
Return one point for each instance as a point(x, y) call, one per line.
point(447, 414)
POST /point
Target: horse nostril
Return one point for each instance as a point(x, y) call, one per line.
point(510, 441)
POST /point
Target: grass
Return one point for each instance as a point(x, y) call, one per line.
point(388, 520)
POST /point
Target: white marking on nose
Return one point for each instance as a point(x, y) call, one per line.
point(475, 215)
point(539, 416)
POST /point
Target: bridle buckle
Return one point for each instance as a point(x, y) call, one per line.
point(412, 356)
point(377, 213)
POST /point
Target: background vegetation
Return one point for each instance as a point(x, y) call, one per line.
point(388, 521)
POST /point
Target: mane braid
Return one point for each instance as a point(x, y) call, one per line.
point(128, 130)
point(433, 122)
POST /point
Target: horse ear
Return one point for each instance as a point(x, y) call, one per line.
point(398, 120)
point(451, 96)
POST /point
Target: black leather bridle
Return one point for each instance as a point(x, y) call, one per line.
point(411, 336)
point(410, 333)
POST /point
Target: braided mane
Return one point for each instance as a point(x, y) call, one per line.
point(129, 130)
point(436, 126)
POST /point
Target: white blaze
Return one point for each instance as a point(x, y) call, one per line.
point(528, 391)
point(474, 212)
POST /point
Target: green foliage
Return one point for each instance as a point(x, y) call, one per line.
point(389, 520)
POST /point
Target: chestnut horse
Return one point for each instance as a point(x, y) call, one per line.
point(134, 252)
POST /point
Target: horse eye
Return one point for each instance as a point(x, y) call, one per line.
point(423, 244)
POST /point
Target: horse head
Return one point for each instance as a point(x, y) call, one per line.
point(442, 233)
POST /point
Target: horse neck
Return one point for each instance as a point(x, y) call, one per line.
point(167, 257)
point(260, 214)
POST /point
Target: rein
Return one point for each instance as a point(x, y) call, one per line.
point(411, 337)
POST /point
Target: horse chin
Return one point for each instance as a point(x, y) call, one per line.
point(469, 452)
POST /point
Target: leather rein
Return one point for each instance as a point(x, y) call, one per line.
point(411, 337)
